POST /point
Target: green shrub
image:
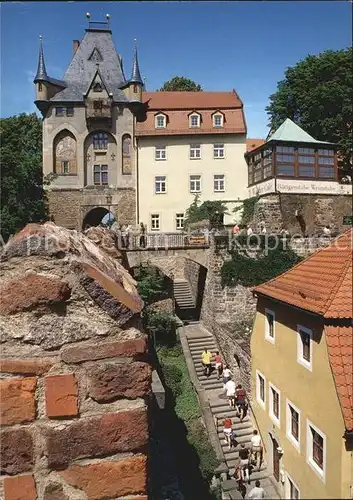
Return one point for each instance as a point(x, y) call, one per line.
point(164, 326)
point(170, 352)
point(246, 271)
point(172, 377)
point(150, 283)
point(186, 404)
point(198, 438)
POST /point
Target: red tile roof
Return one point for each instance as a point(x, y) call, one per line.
point(252, 144)
point(191, 100)
point(321, 284)
point(339, 341)
point(178, 105)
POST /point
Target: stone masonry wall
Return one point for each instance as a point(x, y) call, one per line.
point(191, 274)
point(226, 312)
point(75, 376)
point(278, 211)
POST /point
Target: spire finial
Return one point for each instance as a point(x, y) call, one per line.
point(135, 75)
point(41, 70)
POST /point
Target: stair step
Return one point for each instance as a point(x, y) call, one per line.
point(200, 341)
point(231, 484)
point(237, 426)
point(238, 432)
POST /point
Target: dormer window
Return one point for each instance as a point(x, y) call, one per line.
point(97, 87)
point(161, 121)
point(194, 120)
point(218, 120)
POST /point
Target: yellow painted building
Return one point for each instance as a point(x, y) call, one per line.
point(302, 374)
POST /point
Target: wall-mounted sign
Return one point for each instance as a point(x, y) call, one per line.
point(299, 187)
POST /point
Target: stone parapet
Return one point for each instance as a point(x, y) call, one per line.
point(75, 377)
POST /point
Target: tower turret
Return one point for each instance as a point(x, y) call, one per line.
point(41, 77)
point(135, 82)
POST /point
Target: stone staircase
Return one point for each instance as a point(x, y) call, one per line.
point(184, 301)
point(198, 339)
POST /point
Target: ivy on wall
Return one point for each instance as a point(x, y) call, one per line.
point(248, 208)
point(247, 271)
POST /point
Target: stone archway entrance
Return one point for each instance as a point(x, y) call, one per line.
point(94, 217)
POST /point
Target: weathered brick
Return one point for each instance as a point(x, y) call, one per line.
point(108, 382)
point(54, 491)
point(78, 354)
point(96, 436)
point(20, 488)
point(17, 400)
point(32, 290)
point(25, 366)
point(109, 479)
point(16, 447)
point(61, 395)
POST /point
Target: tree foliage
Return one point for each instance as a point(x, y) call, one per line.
point(150, 283)
point(181, 84)
point(22, 195)
point(317, 94)
point(198, 211)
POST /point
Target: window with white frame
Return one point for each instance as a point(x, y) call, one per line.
point(160, 184)
point(218, 151)
point(316, 449)
point(218, 120)
point(155, 222)
point(194, 120)
point(275, 401)
point(160, 153)
point(218, 183)
point(179, 221)
point(293, 424)
point(195, 183)
point(195, 151)
point(291, 489)
point(160, 121)
point(304, 346)
point(270, 325)
point(260, 389)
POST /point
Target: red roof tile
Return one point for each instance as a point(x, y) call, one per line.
point(339, 341)
point(178, 105)
point(252, 144)
point(322, 283)
point(191, 100)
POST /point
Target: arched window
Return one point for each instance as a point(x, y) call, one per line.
point(97, 87)
point(65, 153)
point(100, 140)
point(126, 154)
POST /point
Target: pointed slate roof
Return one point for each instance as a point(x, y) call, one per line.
point(291, 132)
point(83, 67)
point(41, 75)
point(135, 74)
point(321, 284)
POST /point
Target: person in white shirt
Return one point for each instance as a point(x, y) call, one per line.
point(230, 391)
point(256, 448)
point(226, 375)
point(327, 231)
point(257, 493)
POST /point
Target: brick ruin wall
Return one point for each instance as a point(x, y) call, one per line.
point(75, 377)
point(279, 212)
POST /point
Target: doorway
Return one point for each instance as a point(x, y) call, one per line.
point(276, 458)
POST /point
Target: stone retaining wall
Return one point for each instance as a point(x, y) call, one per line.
point(75, 377)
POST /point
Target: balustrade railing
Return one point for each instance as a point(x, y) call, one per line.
point(161, 241)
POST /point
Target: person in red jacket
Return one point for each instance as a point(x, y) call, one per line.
point(218, 364)
point(228, 431)
point(240, 401)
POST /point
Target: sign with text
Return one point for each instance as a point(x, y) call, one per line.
point(197, 240)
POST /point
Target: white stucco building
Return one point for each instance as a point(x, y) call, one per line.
point(190, 143)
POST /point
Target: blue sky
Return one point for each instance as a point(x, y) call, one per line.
point(221, 45)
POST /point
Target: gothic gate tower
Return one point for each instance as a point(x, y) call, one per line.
point(89, 120)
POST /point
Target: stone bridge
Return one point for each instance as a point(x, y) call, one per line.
point(170, 260)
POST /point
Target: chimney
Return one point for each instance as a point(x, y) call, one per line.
point(75, 45)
